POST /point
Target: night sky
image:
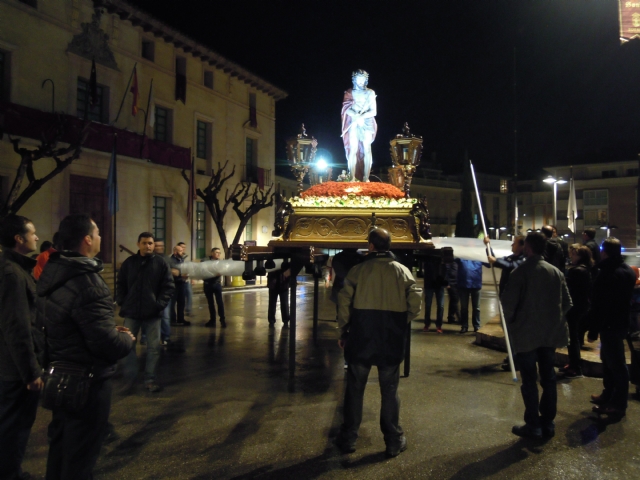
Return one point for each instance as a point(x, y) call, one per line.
point(444, 66)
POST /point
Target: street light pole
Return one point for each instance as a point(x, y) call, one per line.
point(554, 182)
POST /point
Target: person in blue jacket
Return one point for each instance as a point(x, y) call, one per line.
point(469, 285)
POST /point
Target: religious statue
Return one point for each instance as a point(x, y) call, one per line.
point(359, 126)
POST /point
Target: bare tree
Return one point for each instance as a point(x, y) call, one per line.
point(17, 196)
point(236, 198)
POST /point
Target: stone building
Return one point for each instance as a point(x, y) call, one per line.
point(203, 107)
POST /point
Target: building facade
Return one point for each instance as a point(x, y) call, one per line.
point(201, 107)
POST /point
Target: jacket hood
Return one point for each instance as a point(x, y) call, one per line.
point(63, 266)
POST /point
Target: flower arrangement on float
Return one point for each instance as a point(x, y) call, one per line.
point(353, 195)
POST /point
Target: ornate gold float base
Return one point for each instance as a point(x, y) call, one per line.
point(352, 225)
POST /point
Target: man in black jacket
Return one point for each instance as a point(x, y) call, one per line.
point(213, 288)
point(609, 317)
point(80, 328)
point(21, 343)
point(144, 289)
point(553, 253)
point(588, 239)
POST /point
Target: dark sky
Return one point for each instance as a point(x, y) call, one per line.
point(444, 66)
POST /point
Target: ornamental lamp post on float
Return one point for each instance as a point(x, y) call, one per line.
point(406, 151)
point(301, 152)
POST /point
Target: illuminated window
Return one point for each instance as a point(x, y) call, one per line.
point(596, 207)
point(504, 185)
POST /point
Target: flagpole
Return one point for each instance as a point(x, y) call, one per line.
point(495, 281)
point(126, 91)
point(146, 117)
point(115, 229)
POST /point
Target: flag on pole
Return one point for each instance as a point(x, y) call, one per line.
point(93, 84)
point(572, 211)
point(112, 182)
point(192, 191)
point(136, 93)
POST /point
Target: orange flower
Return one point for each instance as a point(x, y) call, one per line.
point(338, 189)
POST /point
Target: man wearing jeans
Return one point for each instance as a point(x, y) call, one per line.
point(376, 304)
point(165, 322)
point(144, 288)
point(434, 282)
point(469, 285)
point(535, 302)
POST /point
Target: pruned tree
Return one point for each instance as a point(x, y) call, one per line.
point(62, 156)
point(218, 207)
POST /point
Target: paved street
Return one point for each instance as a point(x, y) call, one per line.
point(227, 411)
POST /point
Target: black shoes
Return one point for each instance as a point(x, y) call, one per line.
point(210, 324)
point(152, 387)
point(223, 323)
point(395, 450)
point(464, 329)
point(525, 431)
point(345, 446)
point(181, 324)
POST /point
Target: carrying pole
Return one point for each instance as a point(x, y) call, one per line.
point(495, 282)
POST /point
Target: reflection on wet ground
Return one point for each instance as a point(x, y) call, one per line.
point(228, 410)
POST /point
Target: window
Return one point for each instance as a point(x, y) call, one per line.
point(159, 220)
point(202, 140)
point(609, 174)
point(251, 159)
point(632, 172)
point(4, 76)
point(596, 197)
point(504, 185)
point(148, 50)
point(253, 116)
point(181, 79)
point(208, 78)
point(200, 231)
point(97, 112)
point(596, 207)
point(248, 230)
point(162, 125)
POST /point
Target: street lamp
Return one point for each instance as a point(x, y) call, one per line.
point(552, 181)
point(608, 228)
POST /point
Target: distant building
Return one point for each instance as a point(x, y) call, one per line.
point(204, 106)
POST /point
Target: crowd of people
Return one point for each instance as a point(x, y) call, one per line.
point(64, 322)
point(57, 314)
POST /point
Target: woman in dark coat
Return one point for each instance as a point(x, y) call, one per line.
point(579, 282)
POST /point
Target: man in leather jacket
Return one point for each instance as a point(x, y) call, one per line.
point(80, 328)
point(21, 343)
point(144, 288)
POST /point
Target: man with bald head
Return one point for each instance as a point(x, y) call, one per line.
point(375, 306)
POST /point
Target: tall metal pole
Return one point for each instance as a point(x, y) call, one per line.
point(495, 281)
point(555, 202)
point(126, 90)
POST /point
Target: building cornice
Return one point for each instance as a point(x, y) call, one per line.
point(149, 24)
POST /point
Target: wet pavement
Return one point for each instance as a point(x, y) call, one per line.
point(229, 411)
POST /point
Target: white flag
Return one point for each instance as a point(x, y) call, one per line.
point(572, 211)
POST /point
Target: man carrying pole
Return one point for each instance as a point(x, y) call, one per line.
point(495, 281)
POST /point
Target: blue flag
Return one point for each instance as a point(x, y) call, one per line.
point(112, 182)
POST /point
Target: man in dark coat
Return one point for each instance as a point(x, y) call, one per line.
point(553, 253)
point(178, 299)
point(80, 329)
point(144, 289)
point(377, 302)
point(509, 263)
point(589, 240)
point(278, 282)
point(535, 302)
point(609, 317)
point(21, 343)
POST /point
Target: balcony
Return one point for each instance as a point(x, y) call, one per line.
point(257, 175)
point(21, 121)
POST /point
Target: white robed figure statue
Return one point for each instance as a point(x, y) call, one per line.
point(359, 126)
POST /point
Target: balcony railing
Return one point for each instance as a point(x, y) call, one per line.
point(257, 175)
point(22, 121)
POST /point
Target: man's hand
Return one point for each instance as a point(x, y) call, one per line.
point(175, 272)
point(36, 385)
point(486, 240)
point(491, 259)
point(125, 330)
